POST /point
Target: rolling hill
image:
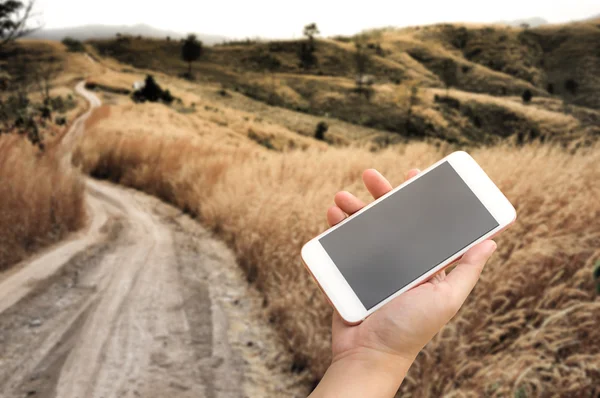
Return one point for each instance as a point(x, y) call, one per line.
point(491, 68)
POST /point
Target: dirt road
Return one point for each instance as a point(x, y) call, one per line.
point(143, 303)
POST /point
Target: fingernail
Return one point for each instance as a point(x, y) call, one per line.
point(491, 247)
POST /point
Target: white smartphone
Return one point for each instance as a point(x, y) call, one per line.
point(405, 237)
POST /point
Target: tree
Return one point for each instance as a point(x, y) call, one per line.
point(307, 49)
point(449, 74)
point(45, 74)
point(310, 31)
point(413, 100)
point(14, 16)
point(362, 60)
point(526, 96)
point(191, 51)
point(571, 86)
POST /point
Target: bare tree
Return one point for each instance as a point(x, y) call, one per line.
point(45, 74)
point(449, 74)
point(362, 63)
point(14, 18)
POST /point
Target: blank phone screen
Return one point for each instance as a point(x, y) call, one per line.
point(407, 234)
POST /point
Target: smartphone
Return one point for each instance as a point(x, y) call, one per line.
point(405, 237)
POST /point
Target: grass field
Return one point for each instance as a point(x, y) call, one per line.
point(41, 202)
point(530, 325)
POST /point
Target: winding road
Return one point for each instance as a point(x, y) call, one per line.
point(143, 303)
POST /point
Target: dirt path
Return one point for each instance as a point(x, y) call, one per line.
point(144, 303)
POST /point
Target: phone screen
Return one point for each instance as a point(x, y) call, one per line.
point(407, 234)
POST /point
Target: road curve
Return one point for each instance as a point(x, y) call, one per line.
point(143, 303)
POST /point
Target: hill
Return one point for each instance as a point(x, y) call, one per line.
point(87, 32)
point(409, 67)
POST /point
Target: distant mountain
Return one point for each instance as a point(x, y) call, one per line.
point(594, 18)
point(532, 22)
point(107, 31)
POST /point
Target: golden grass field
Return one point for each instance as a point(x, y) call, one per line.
point(41, 201)
point(530, 327)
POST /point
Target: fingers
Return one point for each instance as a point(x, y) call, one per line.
point(376, 183)
point(349, 203)
point(466, 274)
point(412, 173)
point(335, 215)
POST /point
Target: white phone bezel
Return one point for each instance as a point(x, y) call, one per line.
point(335, 286)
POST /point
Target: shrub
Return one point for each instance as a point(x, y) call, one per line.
point(306, 55)
point(450, 101)
point(152, 92)
point(73, 45)
point(527, 96)
point(571, 86)
point(320, 131)
point(62, 105)
point(550, 88)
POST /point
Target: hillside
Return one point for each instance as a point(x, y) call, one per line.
point(491, 67)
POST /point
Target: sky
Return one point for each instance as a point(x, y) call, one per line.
point(285, 19)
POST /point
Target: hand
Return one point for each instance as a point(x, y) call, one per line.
point(390, 339)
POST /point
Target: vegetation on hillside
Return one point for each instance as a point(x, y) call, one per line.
point(366, 80)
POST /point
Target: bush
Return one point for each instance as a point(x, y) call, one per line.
point(73, 45)
point(306, 55)
point(571, 86)
point(62, 105)
point(153, 92)
point(527, 96)
point(450, 101)
point(60, 120)
point(550, 88)
point(320, 131)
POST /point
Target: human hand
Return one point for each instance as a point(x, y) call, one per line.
point(390, 338)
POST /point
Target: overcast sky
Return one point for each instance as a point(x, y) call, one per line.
point(281, 18)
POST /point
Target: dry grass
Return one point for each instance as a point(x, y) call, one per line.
point(529, 328)
point(39, 201)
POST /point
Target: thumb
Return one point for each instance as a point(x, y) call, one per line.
point(466, 274)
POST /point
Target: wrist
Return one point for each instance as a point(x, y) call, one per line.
point(364, 372)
